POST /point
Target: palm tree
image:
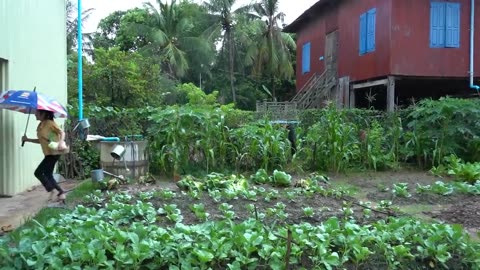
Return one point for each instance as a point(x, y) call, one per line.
point(271, 48)
point(224, 21)
point(171, 40)
point(72, 27)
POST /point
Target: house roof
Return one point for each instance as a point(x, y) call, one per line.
point(307, 16)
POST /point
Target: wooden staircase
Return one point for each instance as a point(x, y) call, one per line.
point(315, 90)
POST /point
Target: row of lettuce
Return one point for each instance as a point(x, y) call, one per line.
point(205, 136)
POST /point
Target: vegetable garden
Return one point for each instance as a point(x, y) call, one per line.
point(363, 190)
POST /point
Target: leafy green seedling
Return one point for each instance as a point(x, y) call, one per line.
point(199, 211)
point(225, 208)
point(216, 195)
point(173, 213)
point(166, 194)
point(308, 211)
point(401, 190)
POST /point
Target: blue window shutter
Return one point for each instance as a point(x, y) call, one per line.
point(437, 24)
point(306, 58)
point(363, 34)
point(452, 28)
point(371, 21)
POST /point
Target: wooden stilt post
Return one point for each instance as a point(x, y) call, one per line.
point(391, 94)
point(352, 97)
point(343, 92)
point(346, 92)
point(340, 91)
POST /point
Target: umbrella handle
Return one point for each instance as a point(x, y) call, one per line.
point(26, 127)
point(25, 133)
point(28, 119)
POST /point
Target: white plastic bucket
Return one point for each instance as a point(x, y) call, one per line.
point(117, 152)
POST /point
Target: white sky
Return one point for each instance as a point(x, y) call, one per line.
point(291, 8)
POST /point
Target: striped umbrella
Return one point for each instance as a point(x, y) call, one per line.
point(26, 101)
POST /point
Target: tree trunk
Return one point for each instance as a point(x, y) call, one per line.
point(270, 60)
point(222, 91)
point(272, 82)
point(230, 59)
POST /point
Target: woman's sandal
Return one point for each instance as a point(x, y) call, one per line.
point(61, 197)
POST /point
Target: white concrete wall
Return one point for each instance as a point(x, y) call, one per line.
point(33, 53)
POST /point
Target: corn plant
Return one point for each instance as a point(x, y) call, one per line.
point(172, 135)
point(395, 139)
point(373, 146)
point(333, 142)
point(186, 136)
point(262, 145)
point(213, 140)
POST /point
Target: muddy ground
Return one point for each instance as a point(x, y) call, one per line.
point(324, 207)
point(366, 186)
point(454, 209)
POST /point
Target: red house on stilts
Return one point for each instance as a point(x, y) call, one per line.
point(385, 53)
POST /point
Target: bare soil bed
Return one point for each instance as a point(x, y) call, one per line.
point(324, 207)
point(453, 209)
point(369, 186)
point(465, 212)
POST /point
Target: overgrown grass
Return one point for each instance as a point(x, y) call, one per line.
point(84, 188)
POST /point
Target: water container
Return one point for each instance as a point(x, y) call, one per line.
point(117, 152)
point(134, 158)
point(97, 175)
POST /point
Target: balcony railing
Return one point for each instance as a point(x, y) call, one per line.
point(277, 110)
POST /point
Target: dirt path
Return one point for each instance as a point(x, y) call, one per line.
point(14, 211)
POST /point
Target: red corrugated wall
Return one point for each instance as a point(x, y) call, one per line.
point(412, 54)
point(346, 18)
point(315, 34)
point(402, 41)
point(370, 65)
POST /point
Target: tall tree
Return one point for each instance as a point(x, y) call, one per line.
point(223, 26)
point(200, 64)
point(271, 49)
point(72, 27)
point(124, 79)
point(120, 29)
point(171, 37)
point(108, 29)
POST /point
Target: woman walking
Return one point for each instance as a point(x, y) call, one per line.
point(51, 139)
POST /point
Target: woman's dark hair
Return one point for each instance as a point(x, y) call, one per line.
point(48, 114)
